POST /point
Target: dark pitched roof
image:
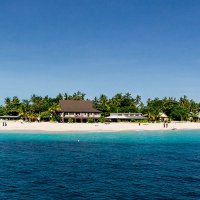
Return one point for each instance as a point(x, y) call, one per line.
point(77, 106)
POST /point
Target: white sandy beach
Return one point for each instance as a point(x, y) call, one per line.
point(94, 127)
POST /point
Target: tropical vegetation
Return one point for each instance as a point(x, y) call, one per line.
point(47, 108)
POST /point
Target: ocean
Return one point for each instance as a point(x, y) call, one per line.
point(113, 165)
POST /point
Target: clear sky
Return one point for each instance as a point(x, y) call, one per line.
point(145, 47)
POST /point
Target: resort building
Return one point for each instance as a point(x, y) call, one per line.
point(125, 116)
point(78, 111)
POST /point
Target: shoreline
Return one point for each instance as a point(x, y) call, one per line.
point(54, 128)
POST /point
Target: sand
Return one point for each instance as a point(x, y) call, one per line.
point(94, 127)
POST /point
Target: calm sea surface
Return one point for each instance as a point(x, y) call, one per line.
point(129, 165)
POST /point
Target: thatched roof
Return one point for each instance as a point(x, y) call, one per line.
point(77, 106)
point(163, 115)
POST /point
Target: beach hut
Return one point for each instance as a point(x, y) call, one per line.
point(163, 117)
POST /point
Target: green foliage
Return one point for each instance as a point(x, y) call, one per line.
point(102, 119)
point(55, 117)
point(90, 120)
point(142, 121)
point(45, 116)
point(70, 120)
point(48, 108)
point(25, 110)
point(118, 103)
point(179, 113)
point(2, 111)
point(12, 106)
point(194, 116)
point(76, 96)
point(175, 109)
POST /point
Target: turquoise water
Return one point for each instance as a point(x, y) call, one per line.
point(129, 165)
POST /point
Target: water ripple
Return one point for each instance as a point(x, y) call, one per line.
point(99, 169)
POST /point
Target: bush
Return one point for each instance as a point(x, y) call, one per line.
point(45, 116)
point(56, 118)
point(133, 120)
point(70, 120)
point(90, 120)
point(102, 119)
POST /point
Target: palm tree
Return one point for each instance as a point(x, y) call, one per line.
point(103, 105)
point(25, 109)
point(54, 110)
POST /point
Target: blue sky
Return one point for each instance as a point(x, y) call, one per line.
point(145, 47)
